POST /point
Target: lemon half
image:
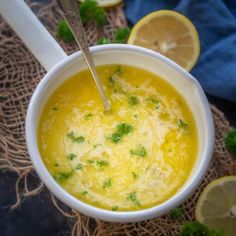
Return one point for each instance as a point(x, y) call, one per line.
point(216, 206)
point(169, 33)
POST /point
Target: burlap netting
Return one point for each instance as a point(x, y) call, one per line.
point(20, 73)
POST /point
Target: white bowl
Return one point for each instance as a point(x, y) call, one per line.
point(183, 82)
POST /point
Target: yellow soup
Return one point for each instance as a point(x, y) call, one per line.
point(136, 156)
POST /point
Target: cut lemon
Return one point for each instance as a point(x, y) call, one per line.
point(170, 34)
point(216, 206)
point(106, 3)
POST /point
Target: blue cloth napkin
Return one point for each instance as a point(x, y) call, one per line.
point(215, 21)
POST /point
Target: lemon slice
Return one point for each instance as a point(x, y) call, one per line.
point(106, 3)
point(216, 206)
point(169, 33)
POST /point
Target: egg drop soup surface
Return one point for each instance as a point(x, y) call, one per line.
point(136, 156)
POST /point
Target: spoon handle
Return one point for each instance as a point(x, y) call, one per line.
point(71, 13)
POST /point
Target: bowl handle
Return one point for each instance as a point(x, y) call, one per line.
point(27, 26)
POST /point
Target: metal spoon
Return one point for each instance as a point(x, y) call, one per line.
point(70, 11)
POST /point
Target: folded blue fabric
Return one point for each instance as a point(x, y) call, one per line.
point(215, 21)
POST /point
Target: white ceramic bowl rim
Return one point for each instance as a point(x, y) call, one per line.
point(131, 216)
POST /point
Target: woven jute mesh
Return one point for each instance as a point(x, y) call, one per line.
point(19, 75)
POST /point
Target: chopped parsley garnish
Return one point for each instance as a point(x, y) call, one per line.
point(62, 176)
point(122, 35)
point(87, 116)
point(79, 166)
point(135, 176)
point(111, 79)
point(133, 100)
point(118, 71)
point(114, 208)
point(176, 213)
point(182, 124)
point(132, 197)
point(124, 128)
point(139, 151)
point(153, 100)
point(103, 40)
point(90, 161)
point(55, 109)
point(90, 11)
point(84, 193)
point(102, 163)
point(107, 183)
point(71, 156)
point(121, 130)
point(115, 137)
point(74, 138)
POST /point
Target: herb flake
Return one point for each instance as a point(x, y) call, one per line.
point(133, 100)
point(102, 163)
point(79, 166)
point(71, 156)
point(87, 116)
point(90, 161)
point(118, 71)
point(114, 208)
point(74, 138)
point(56, 164)
point(107, 183)
point(121, 130)
point(139, 151)
point(132, 197)
point(153, 100)
point(182, 124)
point(63, 176)
point(135, 176)
point(84, 193)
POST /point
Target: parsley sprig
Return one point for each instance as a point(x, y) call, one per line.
point(133, 100)
point(195, 228)
point(90, 11)
point(230, 141)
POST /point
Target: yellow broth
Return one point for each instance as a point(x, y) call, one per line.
point(136, 156)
